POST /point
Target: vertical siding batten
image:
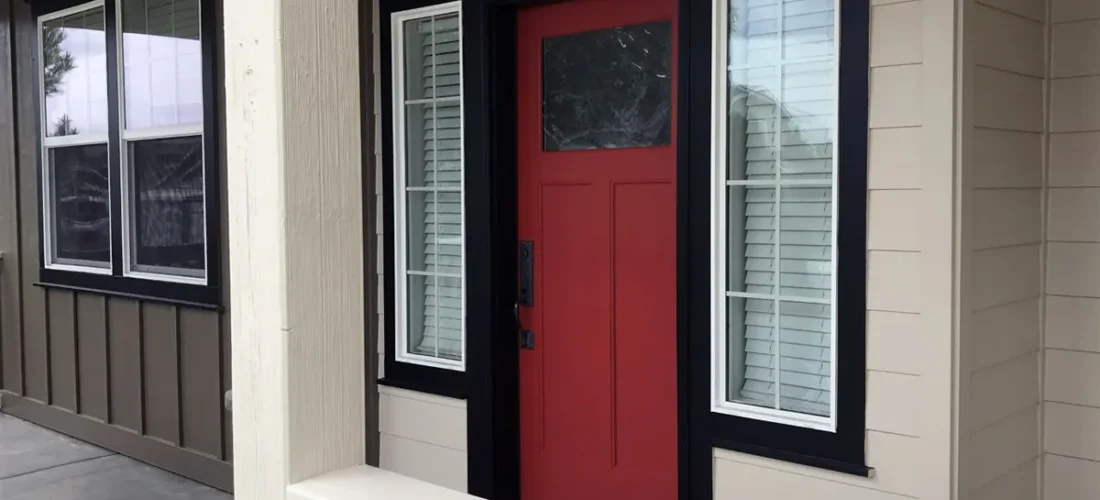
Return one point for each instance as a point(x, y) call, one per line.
point(34, 328)
point(225, 431)
point(200, 382)
point(126, 374)
point(11, 345)
point(160, 371)
point(93, 372)
point(62, 349)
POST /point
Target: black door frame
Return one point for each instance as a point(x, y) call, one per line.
point(489, 82)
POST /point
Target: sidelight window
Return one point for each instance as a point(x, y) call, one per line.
point(775, 330)
point(428, 187)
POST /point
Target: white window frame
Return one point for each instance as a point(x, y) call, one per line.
point(719, 228)
point(401, 268)
point(130, 267)
point(49, 143)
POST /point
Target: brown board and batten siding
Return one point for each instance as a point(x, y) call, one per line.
point(142, 378)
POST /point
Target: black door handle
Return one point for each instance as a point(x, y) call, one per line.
point(526, 294)
point(526, 273)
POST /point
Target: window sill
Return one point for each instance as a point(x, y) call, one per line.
point(437, 387)
point(860, 470)
point(164, 292)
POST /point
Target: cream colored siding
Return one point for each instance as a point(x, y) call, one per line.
point(1000, 447)
point(1071, 386)
point(1070, 478)
point(1020, 483)
point(897, 475)
point(734, 479)
point(1005, 158)
point(892, 338)
point(1004, 389)
point(421, 435)
point(1002, 236)
point(423, 417)
point(1003, 333)
point(898, 396)
point(896, 155)
point(1002, 246)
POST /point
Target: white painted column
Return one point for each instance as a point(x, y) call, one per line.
point(295, 240)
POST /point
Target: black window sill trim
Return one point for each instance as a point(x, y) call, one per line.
point(438, 389)
point(176, 294)
point(860, 470)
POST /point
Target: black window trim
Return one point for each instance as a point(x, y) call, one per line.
point(206, 296)
point(410, 376)
point(842, 450)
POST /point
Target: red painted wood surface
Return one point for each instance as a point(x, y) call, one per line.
point(598, 393)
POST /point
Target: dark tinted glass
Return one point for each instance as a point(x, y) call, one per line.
point(81, 204)
point(608, 89)
point(168, 211)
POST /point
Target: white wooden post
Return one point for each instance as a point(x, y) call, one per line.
point(295, 240)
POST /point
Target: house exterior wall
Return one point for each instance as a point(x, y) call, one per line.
point(1072, 341)
point(420, 435)
point(142, 378)
point(909, 291)
point(1001, 188)
point(909, 275)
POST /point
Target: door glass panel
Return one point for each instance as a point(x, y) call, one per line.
point(606, 89)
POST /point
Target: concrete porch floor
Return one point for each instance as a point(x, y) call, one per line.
point(40, 464)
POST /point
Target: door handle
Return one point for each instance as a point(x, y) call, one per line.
point(526, 337)
point(526, 273)
point(526, 293)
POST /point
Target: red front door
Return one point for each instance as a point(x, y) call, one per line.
point(597, 200)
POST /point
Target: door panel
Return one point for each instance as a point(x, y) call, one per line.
point(597, 164)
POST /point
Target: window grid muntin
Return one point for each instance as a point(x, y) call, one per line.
point(127, 135)
point(720, 229)
point(401, 228)
point(50, 260)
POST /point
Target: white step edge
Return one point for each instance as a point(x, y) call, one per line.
point(366, 482)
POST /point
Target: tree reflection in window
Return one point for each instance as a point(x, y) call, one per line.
point(608, 89)
point(169, 212)
point(81, 203)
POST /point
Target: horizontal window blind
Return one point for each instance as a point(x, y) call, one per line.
point(442, 143)
point(783, 87)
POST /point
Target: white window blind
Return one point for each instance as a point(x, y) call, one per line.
point(432, 177)
point(777, 188)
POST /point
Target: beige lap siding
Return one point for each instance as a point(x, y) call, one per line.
point(1072, 342)
point(421, 435)
point(900, 394)
point(1002, 233)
